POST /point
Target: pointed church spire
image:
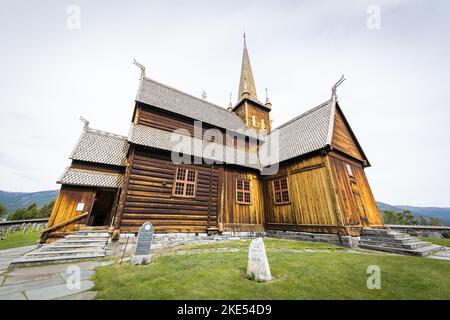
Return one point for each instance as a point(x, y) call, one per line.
point(246, 84)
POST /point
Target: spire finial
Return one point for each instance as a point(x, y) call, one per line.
point(142, 67)
point(85, 123)
point(334, 87)
point(230, 104)
point(245, 43)
point(267, 97)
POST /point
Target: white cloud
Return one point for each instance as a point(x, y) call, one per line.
point(396, 96)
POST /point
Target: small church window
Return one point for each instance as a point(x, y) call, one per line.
point(254, 121)
point(243, 191)
point(349, 170)
point(185, 180)
point(281, 191)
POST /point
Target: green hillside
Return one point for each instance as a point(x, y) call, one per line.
point(16, 200)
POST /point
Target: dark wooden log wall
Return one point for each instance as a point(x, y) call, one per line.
point(149, 196)
point(84, 165)
point(155, 118)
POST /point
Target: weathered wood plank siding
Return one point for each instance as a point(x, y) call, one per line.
point(342, 139)
point(66, 204)
point(236, 216)
point(347, 189)
point(149, 196)
point(312, 205)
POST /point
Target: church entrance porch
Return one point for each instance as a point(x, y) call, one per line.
point(102, 209)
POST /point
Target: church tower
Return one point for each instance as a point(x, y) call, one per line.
point(253, 112)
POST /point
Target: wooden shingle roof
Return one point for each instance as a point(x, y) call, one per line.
point(304, 134)
point(159, 95)
point(72, 176)
point(101, 147)
point(168, 141)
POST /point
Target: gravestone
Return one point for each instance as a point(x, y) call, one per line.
point(258, 266)
point(144, 240)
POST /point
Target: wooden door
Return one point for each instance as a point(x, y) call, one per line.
point(359, 204)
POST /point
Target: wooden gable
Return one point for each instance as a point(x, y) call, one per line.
point(343, 138)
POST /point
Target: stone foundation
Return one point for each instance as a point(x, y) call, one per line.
point(166, 240)
point(346, 241)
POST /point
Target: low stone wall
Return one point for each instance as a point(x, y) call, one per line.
point(346, 241)
point(421, 231)
point(166, 240)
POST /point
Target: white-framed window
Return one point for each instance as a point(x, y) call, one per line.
point(254, 121)
point(263, 124)
point(349, 170)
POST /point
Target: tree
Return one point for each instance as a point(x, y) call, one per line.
point(406, 217)
point(3, 211)
point(46, 210)
point(32, 212)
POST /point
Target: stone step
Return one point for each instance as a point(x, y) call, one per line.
point(423, 251)
point(84, 244)
point(64, 247)
point(92, 234)
point(392, 239)
point(65, 253)
point(380, 232)
point(408, 245)
point(74, 241)
point(86, 236)
point(31, 261)
point(93, 230)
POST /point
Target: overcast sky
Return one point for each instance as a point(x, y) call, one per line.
point(396, 98)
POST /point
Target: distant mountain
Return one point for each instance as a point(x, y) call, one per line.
point(16, 200)
point(443, 214)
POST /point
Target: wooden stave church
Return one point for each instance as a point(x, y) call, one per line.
point(117, 183)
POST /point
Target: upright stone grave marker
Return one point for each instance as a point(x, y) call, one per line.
point(258, 265)
point(144, 241)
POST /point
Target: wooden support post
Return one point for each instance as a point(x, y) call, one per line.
point(119, 213)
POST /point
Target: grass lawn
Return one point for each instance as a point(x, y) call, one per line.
point(18, 239)
point(442, 242)
point(334, 274)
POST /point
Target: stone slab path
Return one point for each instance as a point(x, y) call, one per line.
point(46, 282)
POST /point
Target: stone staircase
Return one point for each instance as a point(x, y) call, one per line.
point(396, 242)
point(84, 244)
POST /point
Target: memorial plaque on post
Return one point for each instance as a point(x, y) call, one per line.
point(144, 241)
